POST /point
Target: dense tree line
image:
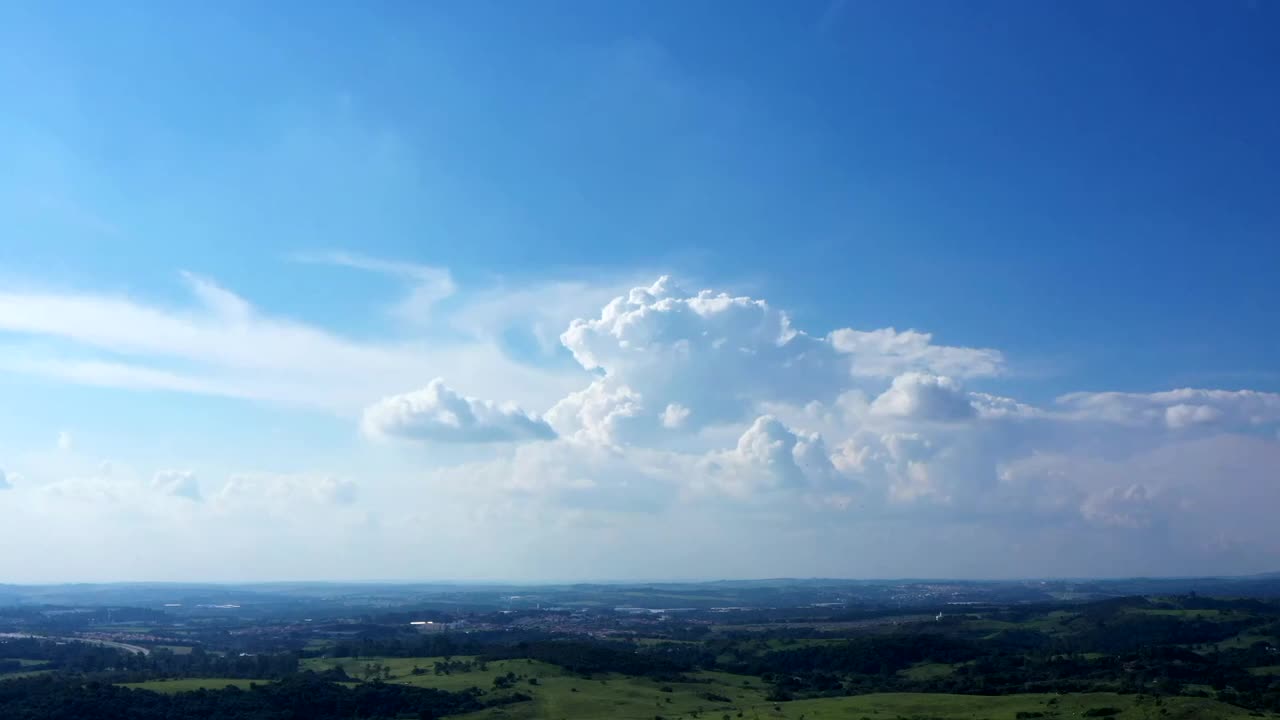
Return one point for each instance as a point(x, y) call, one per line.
point(87, 658)
point(1117, 645)
point(590, 658)
point(434, 645)
point(56, 619)
point(302, 696)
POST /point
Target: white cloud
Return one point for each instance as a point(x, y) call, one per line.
point(64, 441)
point(1176, 409)
point(770, 456)
point(887, 352)
point(714, 354)
point(674, 416)
point(918, 396)
point(4, 481)
point(1181, 415)
point(437, 413)
point(599, 413)
point(179, 483)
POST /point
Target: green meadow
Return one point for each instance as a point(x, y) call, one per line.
point(189, 684)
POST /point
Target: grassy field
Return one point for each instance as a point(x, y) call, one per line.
point(927, 671)
point(558, 695)
point(176, 649)
point(26, 662)
point(1268, 670)
point(188, 684)
point(24, 674)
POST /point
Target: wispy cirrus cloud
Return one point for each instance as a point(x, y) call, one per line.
point(428, 285)
point(221, 344)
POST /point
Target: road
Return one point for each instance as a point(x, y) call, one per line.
point(91, 641)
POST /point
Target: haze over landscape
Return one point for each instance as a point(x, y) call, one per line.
point(547, 292)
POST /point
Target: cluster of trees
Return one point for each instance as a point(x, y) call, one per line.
point(448, 666)
point(872, 655)
point(55, 619)
point(1127, 644)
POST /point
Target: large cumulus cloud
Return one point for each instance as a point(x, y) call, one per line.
point(669, 359)
point(715, 401)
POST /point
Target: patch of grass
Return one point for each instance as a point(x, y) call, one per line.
point(26, 662)
point(662, 641)
point(794, 643)
point(189, 684)
point(1268, 670)
point(927, 671)
point(1243, 641)
point(23, 674)
point(176, 649)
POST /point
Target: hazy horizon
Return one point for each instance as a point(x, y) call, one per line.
point(638, 581)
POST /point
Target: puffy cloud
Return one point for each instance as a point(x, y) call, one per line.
point(178, 483)
point(1176, 409)
point(597, 413)
point(715, 355)
point(993, 407)
point(674, 416)
point(65, 441)
point(769, 456)
point(887, 352)
point(437, 413)
point(922, 466)
point(4, 481)
point(919, 396)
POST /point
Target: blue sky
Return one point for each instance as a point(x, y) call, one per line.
point(241, 241)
